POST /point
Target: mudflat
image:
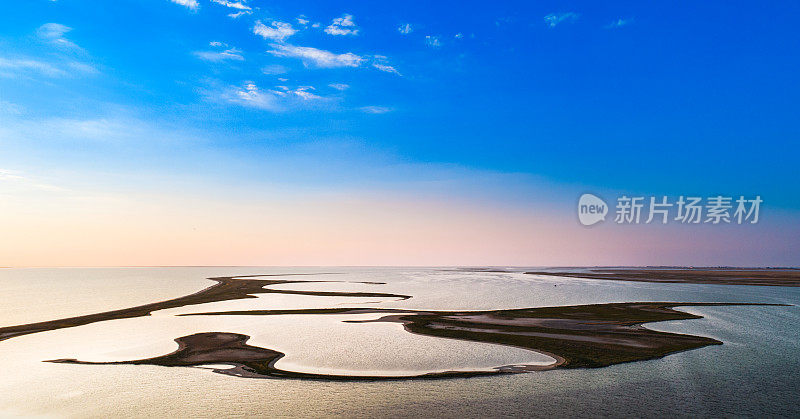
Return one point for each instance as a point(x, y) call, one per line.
point(578, 336)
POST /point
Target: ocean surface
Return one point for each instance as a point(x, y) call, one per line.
point(756, 372)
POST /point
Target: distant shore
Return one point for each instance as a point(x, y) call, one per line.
point(773, 277)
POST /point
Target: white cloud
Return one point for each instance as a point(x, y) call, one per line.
point(9, 108)
point(405, 29)
point(79, 67)
point(10, 175)
point(238, 14)
point(18, 179)
point(54, 33)
point(251, 96)
point(339, 86)
point(554, 19)
point(233, 4)
point(433, 41)
point(274, 69)
point(14, 67)
point(192, 4)
point(302, 21)
point(619, 23)
point(317, 57)
point(303, 93)
point(219, 56)
point(375, 109)
point(278, 99)
point(386, 68)
point(458, 35)
point(10, 67)
point(342, 26)
point(217, 44)
point(278, 31)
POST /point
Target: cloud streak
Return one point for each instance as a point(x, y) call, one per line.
point(375, 110)
point(278, 99)
point(231, 54)
point(554, 19)
point(313, 57)
point(15, 67)
point(54, 34)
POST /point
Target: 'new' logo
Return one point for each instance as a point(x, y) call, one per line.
point(591, 209)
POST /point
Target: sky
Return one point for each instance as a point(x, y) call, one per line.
point(218, 132)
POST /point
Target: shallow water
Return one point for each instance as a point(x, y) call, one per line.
point(755, 372)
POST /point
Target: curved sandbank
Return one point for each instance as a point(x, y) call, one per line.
point(776, 277)
point(582, 336)
point(254, 362)
point(226, 288)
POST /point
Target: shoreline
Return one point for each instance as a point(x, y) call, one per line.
point(773, 277)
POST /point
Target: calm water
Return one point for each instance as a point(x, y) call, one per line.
point(756, 372)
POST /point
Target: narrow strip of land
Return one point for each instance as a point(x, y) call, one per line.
point(226, 288)
point(783, 277)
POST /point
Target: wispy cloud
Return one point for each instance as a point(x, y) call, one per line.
point(14, 67)
point(317, 57)
point(192, 4)
point(274, 69)
point(277, 99)
point(20, 180)
point(303, 92)
point(9, 108)
point(405, 29)
point(233, 4)
point(239, 14)
point(386, 68)
point(380, 62)
point(219, 56)
point(339, 86)
point(342, 26)
point(619, 23)
point(554, 19)
point(10, 67)
point(433, 41)
point(251, 96)
point(277, 31)
point(375, 109)
point(54, 34)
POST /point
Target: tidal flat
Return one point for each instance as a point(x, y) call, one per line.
point(342, 332)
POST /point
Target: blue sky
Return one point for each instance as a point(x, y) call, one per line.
point(523, 104)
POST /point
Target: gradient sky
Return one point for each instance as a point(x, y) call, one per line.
point(219, 132)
